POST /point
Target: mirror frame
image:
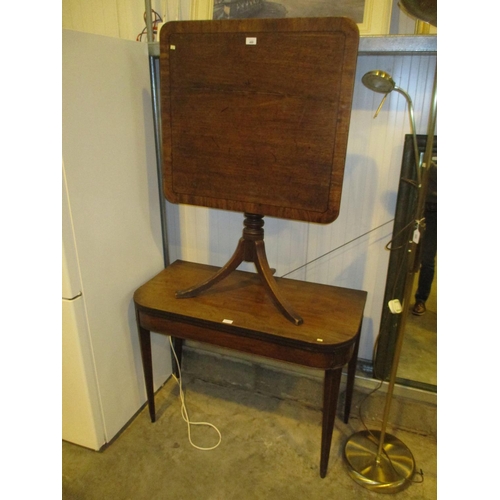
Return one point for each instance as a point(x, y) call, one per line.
point(406, 207)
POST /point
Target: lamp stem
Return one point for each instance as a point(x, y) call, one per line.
point(413, 132)
point(422, 190)
point(397, 351)
point(388, 465)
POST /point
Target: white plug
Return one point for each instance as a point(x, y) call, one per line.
point(395, 306)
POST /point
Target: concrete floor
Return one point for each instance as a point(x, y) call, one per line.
point(270, 450)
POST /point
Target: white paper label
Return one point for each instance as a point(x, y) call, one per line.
point(251, 40)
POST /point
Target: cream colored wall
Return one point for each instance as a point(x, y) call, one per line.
point(118, 18)
point(349, 252)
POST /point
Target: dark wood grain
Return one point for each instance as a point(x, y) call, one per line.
point(330, 396)
point(237, 314)
point(332, 314)
point(258, 128)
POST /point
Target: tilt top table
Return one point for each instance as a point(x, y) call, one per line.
point(255, 119)
point(236, 314)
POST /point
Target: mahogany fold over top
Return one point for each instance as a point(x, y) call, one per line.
point(332, 315)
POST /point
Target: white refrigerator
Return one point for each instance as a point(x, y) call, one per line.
point(111, 234)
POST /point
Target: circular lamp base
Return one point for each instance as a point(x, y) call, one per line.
point(390, 473)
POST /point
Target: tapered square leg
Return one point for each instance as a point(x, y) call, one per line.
point(330, 399)
point(147, 365)
point(351, 375)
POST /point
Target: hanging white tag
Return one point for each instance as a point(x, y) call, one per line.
point(416, 236)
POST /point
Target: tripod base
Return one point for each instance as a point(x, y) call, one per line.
point(250, 248)
point(389, 473)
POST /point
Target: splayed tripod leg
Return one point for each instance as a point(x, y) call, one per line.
point(223, 272)
point(250, 249)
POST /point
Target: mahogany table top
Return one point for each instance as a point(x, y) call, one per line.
point(332, 315)
point(255, 114)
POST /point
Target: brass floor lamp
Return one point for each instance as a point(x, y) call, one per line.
point(375, 459)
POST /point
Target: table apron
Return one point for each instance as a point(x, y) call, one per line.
point(332, 360)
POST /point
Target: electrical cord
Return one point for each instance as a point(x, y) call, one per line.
point(351, 241)
point(383, 326)
point(392, 249)
point(157, 20)
point(337, 248)
point(388, 246)
point(184, 411)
